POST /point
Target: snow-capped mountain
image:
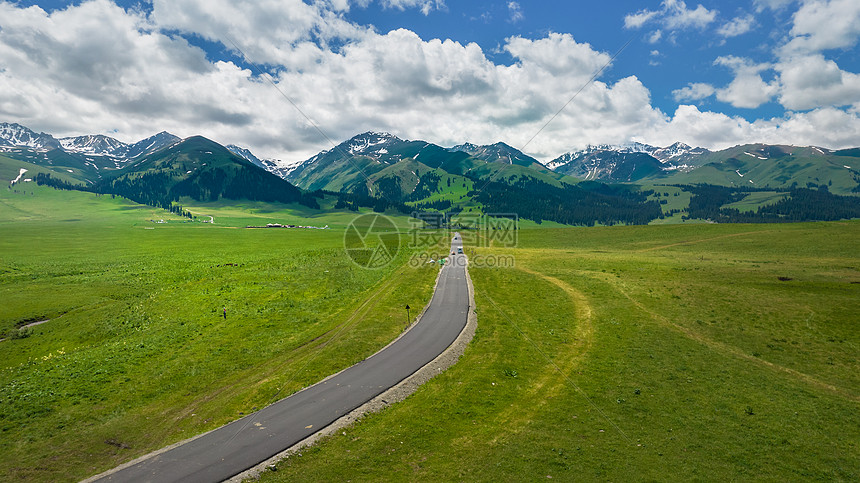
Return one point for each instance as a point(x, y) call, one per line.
point(604, 160)
point(100, 145)
point(276, 166)
point(381, 147)
point(607, 165)
point(497, 153)
point(465, 147)
point(245, 154)
point(16, 135)
point(96, 145)
point(369, 144)
point(376, 149)
point(678, 153)
point(350, 164)
point(280, 168)
point(151, 144)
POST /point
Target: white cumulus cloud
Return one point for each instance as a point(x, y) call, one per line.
point(827, 127)
point(824, 24)
point(672, 15)
point(426, 6)
point(640, 18)
point(695, 91)
point(812, 81)
point(737, 26)
point(98, 68)
point(516, 12)
point(748, 89)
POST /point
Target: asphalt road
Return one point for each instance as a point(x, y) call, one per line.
point(242, 444)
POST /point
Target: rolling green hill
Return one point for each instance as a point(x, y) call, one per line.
point(83, 168)
point(197, 168)
point(10, 168)
point(500, 153)
point(355, 165)
point(418, 185)
point(202, 170)
point(759, 165)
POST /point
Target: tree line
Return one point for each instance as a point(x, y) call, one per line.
point(801, 204)
point(586, 204)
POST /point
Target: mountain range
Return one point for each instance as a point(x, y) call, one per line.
point(371, 156)
point(352, 163)
point(163, 168)
point(627, 163)
point(14, 135)
point(86, 158)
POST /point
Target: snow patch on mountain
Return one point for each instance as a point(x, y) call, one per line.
point(755, 155)
point(275, 166)
point(96, 145)
point(362, 143)
point(20, 174)
point(675, 157)
point(152, 144)
point(16, 135)
point(558, 162)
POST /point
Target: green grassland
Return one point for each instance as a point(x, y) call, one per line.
point(242, 213)
point(684, 352)
point(452, 188)
point(10, 169)
point(658, 353)
point(757, 199)
point(677, 202)
point(75, 168)
point(137, 354)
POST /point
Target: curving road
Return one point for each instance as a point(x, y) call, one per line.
point(242, 444)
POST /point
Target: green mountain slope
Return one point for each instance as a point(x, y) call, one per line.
point(613, 166)
point(355, 165)
point(500, 153)
point(11, 168)
point(85, 169)
point(421, 186)
point(758, 165)
point(484, 172)
point(202, 170)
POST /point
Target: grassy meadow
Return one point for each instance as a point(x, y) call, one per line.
point(681, 352)
point(658, 353)
point(137, 355)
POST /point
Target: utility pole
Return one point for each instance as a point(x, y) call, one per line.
point(407, 316)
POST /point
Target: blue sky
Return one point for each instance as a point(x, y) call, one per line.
point(706, 73)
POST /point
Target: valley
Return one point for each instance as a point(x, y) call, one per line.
point(684, 349)
point(137, 355)
point(723, 341)
point(599, 185)
point(637, 353)
point(429, 240)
